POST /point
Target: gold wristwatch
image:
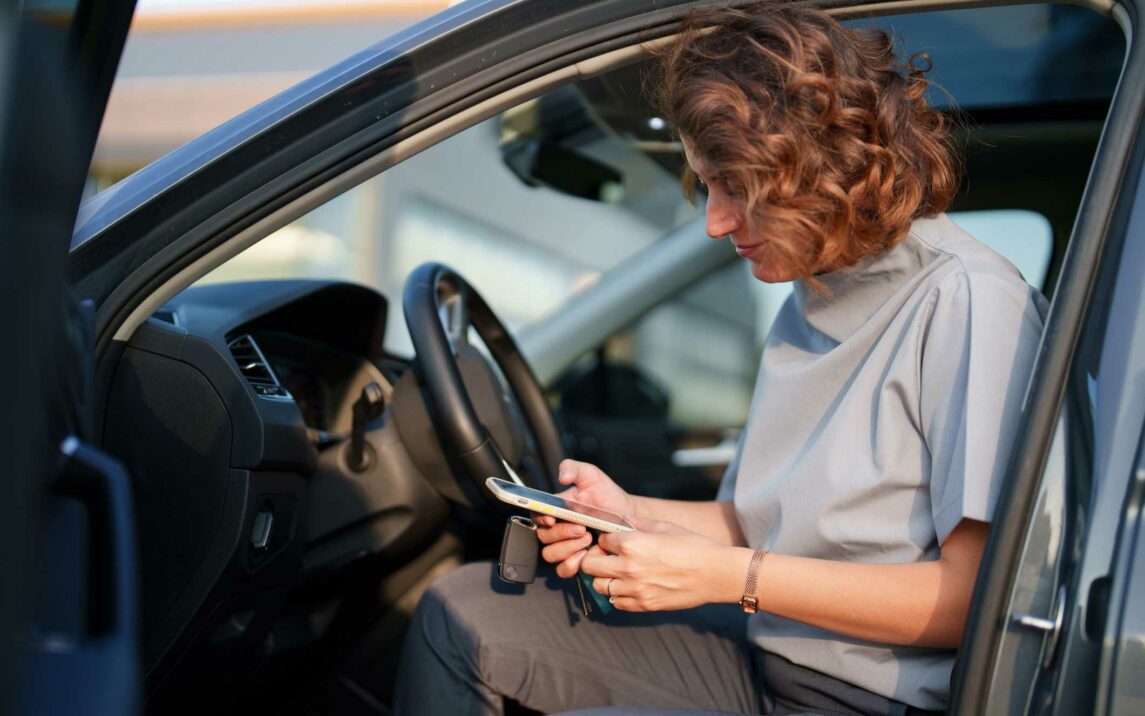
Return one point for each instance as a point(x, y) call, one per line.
point(749, 601)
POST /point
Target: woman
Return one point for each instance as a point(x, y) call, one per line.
point(852, 523)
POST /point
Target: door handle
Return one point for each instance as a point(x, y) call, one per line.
point(101, 666)
point(1051, 626)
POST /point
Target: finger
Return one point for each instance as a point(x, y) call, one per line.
point(573, 472)
point(608, 586)
point(571, 566)
point(615, 542)
point(601, 565)
point(646, 525)
point(567, 471)
point(628, 604)
point(542, 520)
point(560, 532)
point(643, 524)
point(561, 551)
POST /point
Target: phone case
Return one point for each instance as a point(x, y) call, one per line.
point(597, 598)
point(558, 512)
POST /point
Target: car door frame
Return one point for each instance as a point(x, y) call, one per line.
point(64, 507)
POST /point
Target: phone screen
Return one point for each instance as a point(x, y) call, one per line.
point(549, 499)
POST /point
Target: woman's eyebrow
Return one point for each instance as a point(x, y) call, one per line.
point(696, 165)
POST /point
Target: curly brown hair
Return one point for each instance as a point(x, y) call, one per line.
point(823, 132)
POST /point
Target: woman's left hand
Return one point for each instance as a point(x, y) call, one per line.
point(662, 567)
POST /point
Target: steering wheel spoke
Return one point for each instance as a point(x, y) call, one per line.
point(454, 317)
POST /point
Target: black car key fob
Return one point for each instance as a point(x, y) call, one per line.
point(519, 551)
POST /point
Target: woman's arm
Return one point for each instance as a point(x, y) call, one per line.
point(566, 542)
point(923, 603)
point(714, 520)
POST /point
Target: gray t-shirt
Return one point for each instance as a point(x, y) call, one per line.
point(883, 415)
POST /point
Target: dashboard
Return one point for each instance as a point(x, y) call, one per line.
point(232, 408)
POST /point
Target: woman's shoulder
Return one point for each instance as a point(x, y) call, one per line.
point(970, 284)
point(966, 266)
point(966, 254)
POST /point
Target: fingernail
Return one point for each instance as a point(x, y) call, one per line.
point(565, 474)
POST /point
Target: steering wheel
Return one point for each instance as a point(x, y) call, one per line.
point(440, 307)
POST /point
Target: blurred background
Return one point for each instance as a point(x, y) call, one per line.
point(235, 52)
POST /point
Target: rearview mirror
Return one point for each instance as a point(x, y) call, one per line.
point(542, 163)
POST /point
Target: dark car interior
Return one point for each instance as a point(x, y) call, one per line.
point(297, 487)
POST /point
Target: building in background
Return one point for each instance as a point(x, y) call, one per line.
point(175, 57)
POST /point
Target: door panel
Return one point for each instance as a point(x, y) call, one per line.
point(67, 612)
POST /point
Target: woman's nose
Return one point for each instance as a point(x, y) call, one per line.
point(723, 217)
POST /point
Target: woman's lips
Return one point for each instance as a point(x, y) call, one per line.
point(743, 251)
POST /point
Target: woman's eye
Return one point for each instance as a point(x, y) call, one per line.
point(731, 189)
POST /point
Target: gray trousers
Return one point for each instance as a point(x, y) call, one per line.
point(475, 640)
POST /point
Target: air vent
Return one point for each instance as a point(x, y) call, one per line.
point(252, 364)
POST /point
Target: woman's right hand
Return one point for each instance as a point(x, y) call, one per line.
point(566, 542)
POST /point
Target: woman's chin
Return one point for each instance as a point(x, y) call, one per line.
point(769, 272)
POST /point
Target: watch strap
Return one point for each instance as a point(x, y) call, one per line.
point(749, 601)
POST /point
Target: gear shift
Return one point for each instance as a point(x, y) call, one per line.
point(369, 405)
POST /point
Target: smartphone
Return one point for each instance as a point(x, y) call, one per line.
point(559, 507)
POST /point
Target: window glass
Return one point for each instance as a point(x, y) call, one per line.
point(522, 233)
point(1013, 56)
point(190, 65)
point(704, 347)
point(1022, 236)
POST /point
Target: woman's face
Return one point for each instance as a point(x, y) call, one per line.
point(726, 217)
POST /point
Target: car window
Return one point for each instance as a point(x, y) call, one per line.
point(1013, 57)
point(492, 202)
point(238, 53)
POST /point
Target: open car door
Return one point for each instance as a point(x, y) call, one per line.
point(67, 540)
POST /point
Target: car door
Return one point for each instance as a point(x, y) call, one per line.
point(1049, 598)
point(67, 608)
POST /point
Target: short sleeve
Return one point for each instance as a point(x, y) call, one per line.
point(727, 491)
point(976, 354)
